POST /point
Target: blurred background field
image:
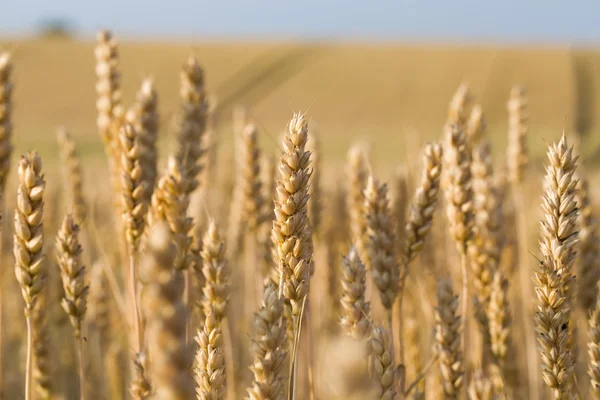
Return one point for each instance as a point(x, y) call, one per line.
point(394, 96)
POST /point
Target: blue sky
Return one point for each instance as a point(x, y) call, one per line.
point(510, 21)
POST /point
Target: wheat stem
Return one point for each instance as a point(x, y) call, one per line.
point(81, 368)
point(29, 359)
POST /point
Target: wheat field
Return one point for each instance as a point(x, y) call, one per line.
point(276, 221)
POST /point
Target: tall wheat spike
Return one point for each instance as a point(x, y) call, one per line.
point(143, 115)
point(268, 348)
point(291, 226)
point(194, 109)
point(170, 356)
point(554, 277)
point(29, 243)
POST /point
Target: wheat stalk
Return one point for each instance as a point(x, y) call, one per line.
point(424, 203)
point(108, 88)
point(170, 204)
point(170, 356)
point(290, 228)
point(29, 242)
point(209, 370)
point(268, 348)
point(6, 148)
point(72, 273)
point(216, 273)
point(73, 175)
point(594, 351)
point(400, 200)
point(357, 166)
point(194, 110)
point(355, 309)
point(589, 251)
point(143, 115)
point(475, 126)
point(447, 336)
point(553, 279)
point(383, 364)
point(460, 105)
point(382, 243)
point(41, 363)
point(518, 116)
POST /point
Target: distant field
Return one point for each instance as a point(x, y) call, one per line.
point(395, 96)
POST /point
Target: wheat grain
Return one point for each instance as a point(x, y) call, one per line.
point(6, 89)
point(594, 351)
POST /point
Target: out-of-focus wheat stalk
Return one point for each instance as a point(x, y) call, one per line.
point(400, 200)
point(355, 308)
point(460, 105)
point(194, 110)
point(424, 203)
point(447, 336)
point(170, 356)
point(28, 244)
point(588, 273)
point(73, 175)
point(554, 277)
point(268, 348)
point(6, 147)
point(357, 182)
point(315, 204)
point(459, 205)
point(383, 363)
point(594, 351)
point(170, 204)
point(385, 268)
point(143, 115)
point(72, 273)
